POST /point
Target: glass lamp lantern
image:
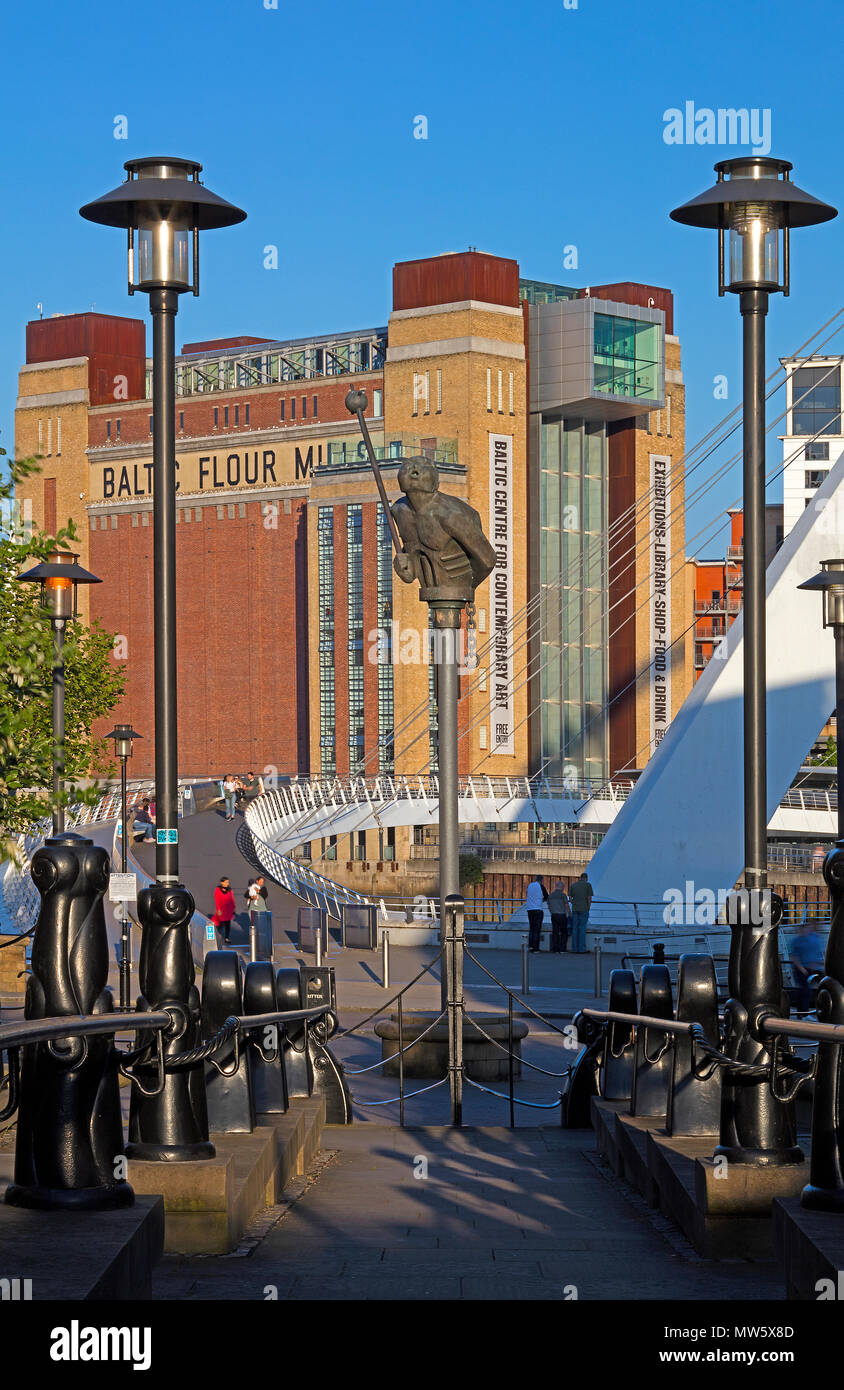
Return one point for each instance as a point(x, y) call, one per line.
point(163, 207)
point(59, 577)
point(124, 737)
point(830, 582)
point(753, 206)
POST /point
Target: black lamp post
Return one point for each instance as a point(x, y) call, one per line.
point(163, 207)
point(755, 203)
point(825, 1189)
point(59, 577)
point(124, 736)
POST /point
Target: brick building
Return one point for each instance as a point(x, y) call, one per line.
point(299, 649)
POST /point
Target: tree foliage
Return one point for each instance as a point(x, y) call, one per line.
point(93, 681)
point(471, 869)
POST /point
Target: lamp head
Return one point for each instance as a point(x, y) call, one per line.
point(755, 202)
point(59, 577)
point(124, 736)
point(830, 583)
point(163, 202)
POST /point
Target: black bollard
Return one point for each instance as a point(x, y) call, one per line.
point(825, 1188)
point(297, 1057)
point(173, 1125)
point(69, 1148)
point(652, 1074)
point(265, 1052)
point(755, 1128)
point(694, 1104)
point(619, 1051)
point(228, 1084)
point(583, 1081)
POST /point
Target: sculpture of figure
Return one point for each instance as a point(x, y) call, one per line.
point(444, 545)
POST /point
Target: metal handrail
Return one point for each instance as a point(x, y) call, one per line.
point(35, 1030)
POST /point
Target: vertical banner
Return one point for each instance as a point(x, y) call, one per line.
point(659, 606)
point(502, 713)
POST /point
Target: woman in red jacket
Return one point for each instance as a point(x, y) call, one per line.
point(224, 907)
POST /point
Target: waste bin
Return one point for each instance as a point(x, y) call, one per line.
point(312, 921)
point(359, 927)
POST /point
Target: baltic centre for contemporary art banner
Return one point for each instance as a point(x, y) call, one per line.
point(502, 717)
point(659, 603)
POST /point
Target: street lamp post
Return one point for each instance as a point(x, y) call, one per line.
point(124, 736)
point(825, 1189)
point(163, 207)
point(59, 577)
point(754, 204)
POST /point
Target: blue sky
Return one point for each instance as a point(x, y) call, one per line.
point(545, 129)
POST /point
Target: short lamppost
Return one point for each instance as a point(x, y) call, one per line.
point(825, 1189)
point(69, 1128)
point(59, 576)
point(755, 203)
point(163, 207)
point(124, 737)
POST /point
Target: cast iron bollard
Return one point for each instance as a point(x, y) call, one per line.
point(825, 1188)
point(652, 1075)
point(694, 1104)
point(228, 1084)
point(269, 1084)
point(619, 1052)
point(755, 1128)
point(454, 944)
point(297, 1056)
point(317, 989)
point(576, 1100)
point(70, 1131)
point(172, 1125)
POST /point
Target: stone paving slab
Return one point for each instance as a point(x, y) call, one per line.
point(366, 1229)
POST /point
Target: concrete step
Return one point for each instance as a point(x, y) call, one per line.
point(82, 1256)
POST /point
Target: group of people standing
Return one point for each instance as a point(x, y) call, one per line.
point(236, 790)
point(569, 911)
point(257, 903)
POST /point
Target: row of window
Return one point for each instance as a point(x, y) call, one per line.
point(289, 410)
point(500, 392)
point(49, 437)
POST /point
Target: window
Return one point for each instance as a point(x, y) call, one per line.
point(108, 433)
point(304, 407)
point(282, 408)
point(626, 357)
point(501, 393)
point(816, 401)
point(237, 414)
point(181, 419)
point(150, 424)
point(49, 435)
point(377, 404)
point(117, 422)
point(489, 389)
point(813, 477)
point(293, 407)
point(329, 848)
point(421, 388)
point(668, 416)
point(315, 407)
point(58, 434)
point(816, 452)
point(216, 416)
point(512, 411)
point(439, 391)
point(358, 839)
point(225, 417)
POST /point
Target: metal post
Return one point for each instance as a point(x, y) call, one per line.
point(454, 941)
point(317, 942)
point(525, 969)
point(125, 939)
point(754, 1127)
point(446, 624)
point(385, 959)
point(58, 724)
point(253, 937)
point(510, 1058)
point(598, 990)
point(164, 305)
point(401, 1062)
point(754, 307)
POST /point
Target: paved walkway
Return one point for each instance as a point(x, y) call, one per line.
point(499, 1215)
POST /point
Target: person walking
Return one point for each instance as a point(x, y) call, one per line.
point(230, 794)
point(806, 960)
point(581, 901)
point(224, 907)
point(559, 905)
point(535, 900)
point(257, 898)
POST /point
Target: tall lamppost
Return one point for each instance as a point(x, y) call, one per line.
point(825, 1189)
point(124, 737)
point(163, 207)
point(755, 204)
point(59, 577)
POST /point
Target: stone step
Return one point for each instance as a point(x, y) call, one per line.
point(85, 1255)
